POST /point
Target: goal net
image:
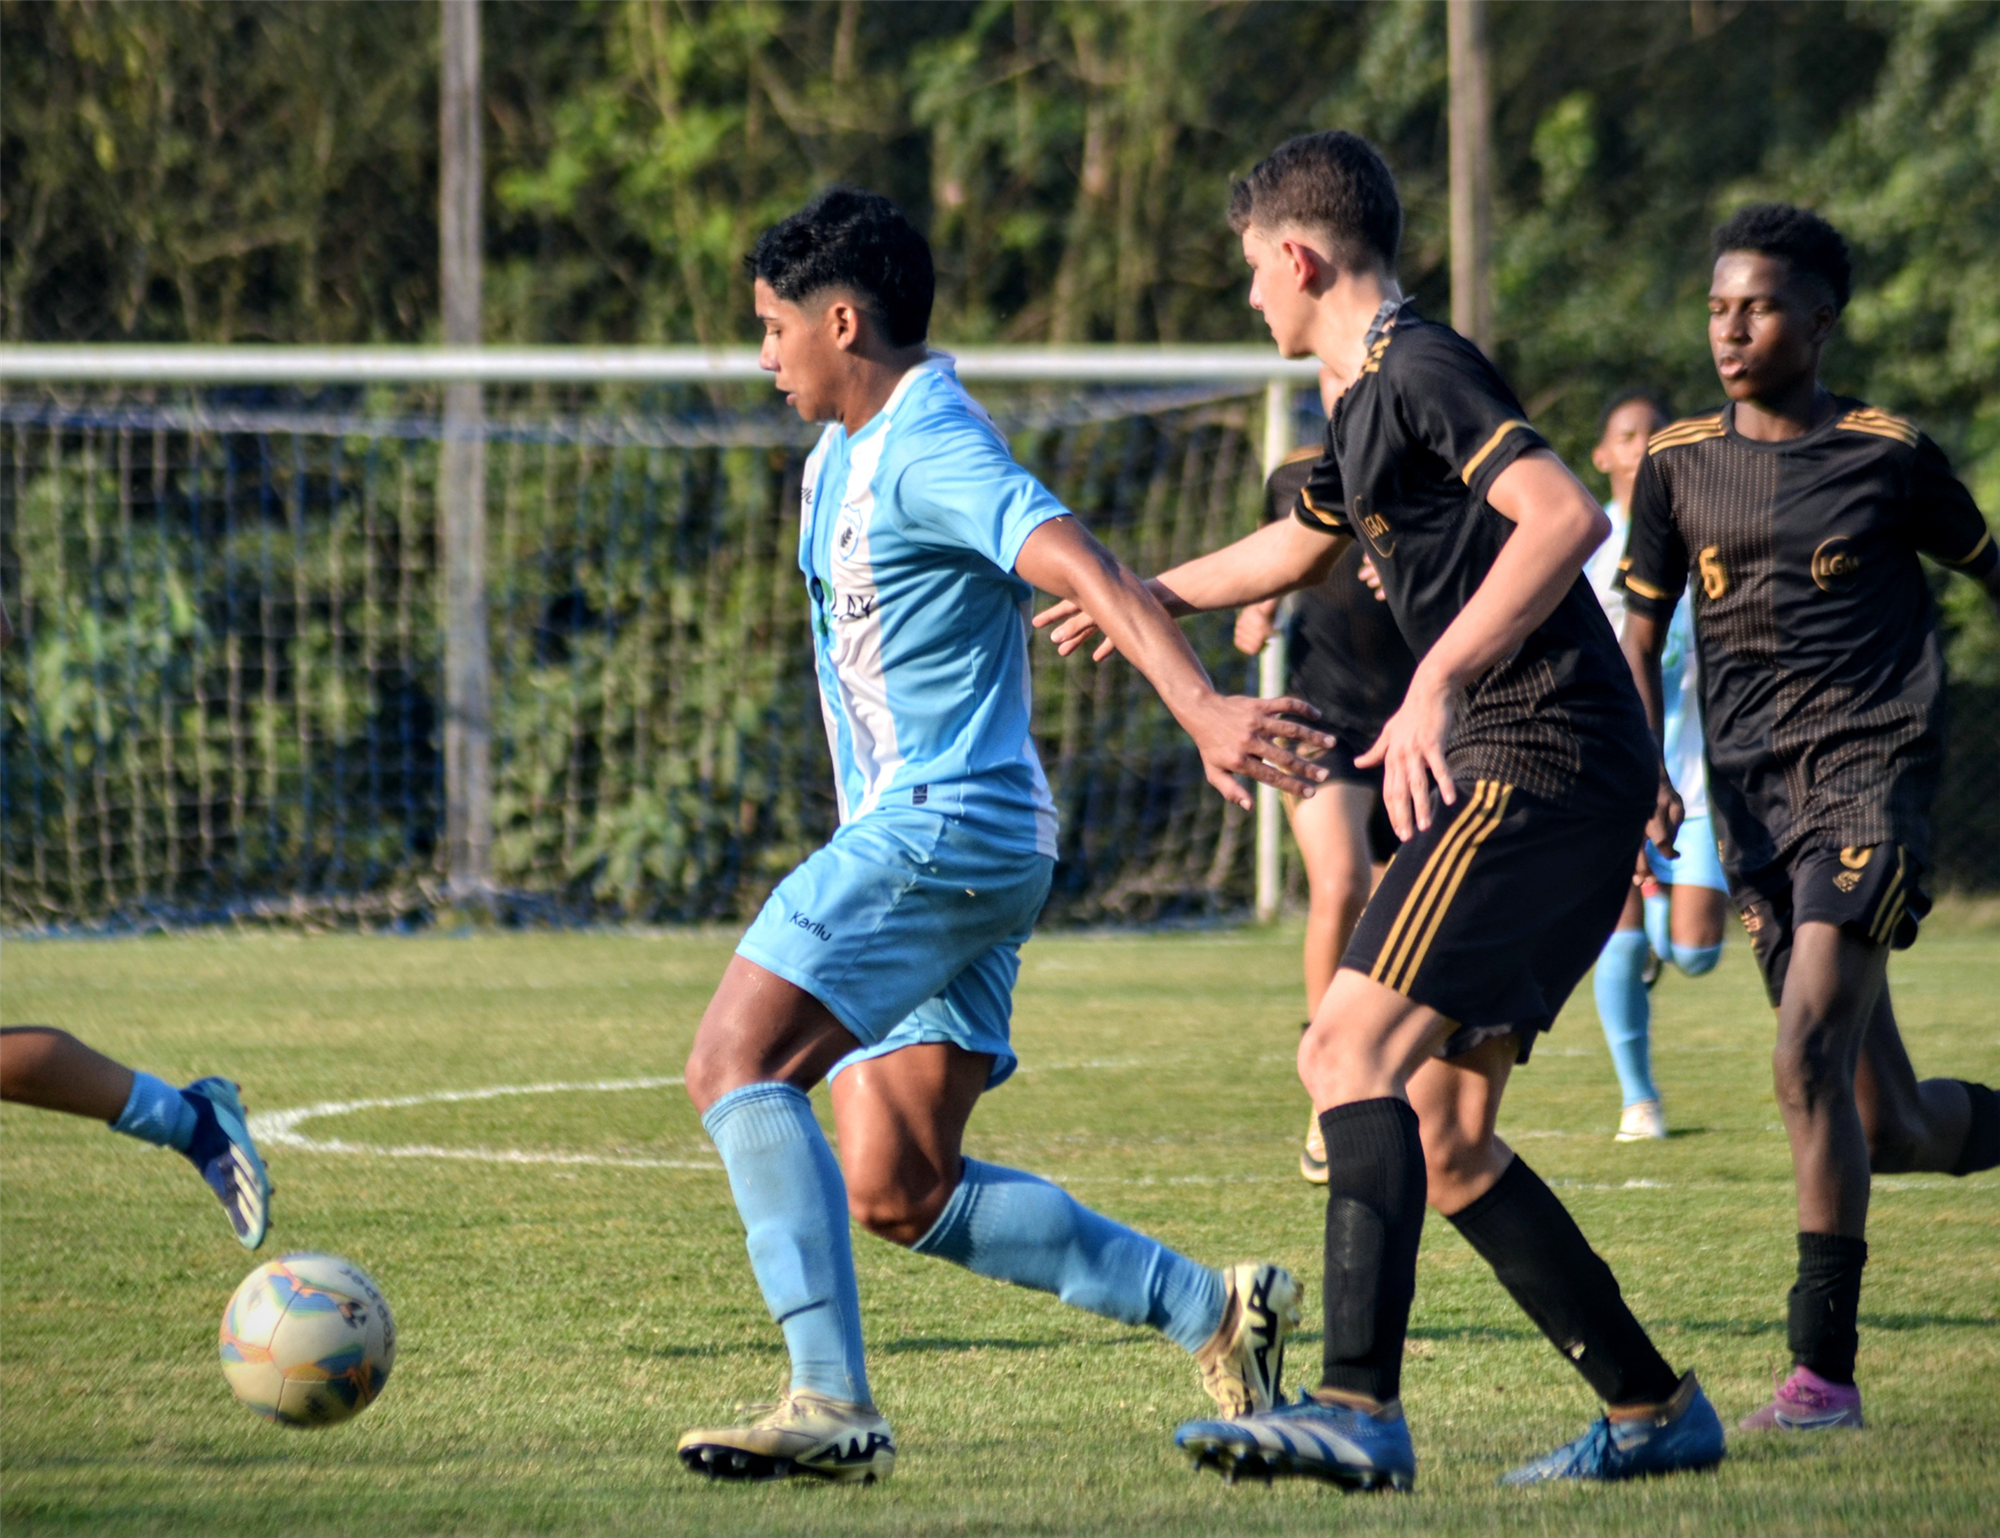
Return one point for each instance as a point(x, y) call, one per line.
point(226, 699)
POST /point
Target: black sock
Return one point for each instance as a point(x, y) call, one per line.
point(1824, 1302)
point(1534, 1246)
point(1981, 1149)
point(1375, 1187)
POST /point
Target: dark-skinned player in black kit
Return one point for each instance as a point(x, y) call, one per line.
point(1800, 515)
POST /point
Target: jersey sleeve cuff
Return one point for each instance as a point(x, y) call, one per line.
point(1647, 598)
point(1321, 520)
point(1980, 563)
point(1508, 442)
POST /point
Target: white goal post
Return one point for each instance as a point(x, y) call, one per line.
point(467, 787)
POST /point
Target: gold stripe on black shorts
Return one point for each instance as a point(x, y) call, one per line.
point(1417, 922)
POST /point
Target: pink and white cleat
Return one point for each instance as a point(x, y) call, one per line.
point(1807, 1402)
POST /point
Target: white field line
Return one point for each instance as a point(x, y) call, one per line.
point(280, 1129)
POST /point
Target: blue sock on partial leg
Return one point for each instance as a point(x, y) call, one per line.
point(1659, 924)
point(155, 1112)
point(1695, 960)
point(793, 1202)
point(1019, 1228)
point(1626, 1012)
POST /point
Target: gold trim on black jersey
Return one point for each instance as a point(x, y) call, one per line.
point(1687, 430)
point(1640, 585)
point(1308, 451)
point(1422, 914)
point(1329, 523)
point(1486, 449)
point(1975, 552)
point(1867, 419)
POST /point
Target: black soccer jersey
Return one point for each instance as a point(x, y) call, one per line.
point(1345, 653)
point(1410, 451)
point(1820, 668)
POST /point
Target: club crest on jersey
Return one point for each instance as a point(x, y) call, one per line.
point(1714, 580)
point(846, 536)
point(1835, 565)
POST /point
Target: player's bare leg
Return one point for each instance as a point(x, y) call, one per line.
point(1331, 831)
point(205, 1121)
point(1911, 1123)
point(42, 1066)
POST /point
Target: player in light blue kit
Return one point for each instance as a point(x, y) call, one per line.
point(887, 960)
point(1680, 916)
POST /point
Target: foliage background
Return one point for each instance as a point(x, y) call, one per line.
point(221, 171)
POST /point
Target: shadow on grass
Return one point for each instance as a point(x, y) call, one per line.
point(942, 1343)
point(1776, 1326)
point(719, 1348)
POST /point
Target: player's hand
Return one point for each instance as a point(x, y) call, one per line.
point(1237, 735)
point(1664, 826)
point(1411, 751)
point(1373, 578)
point(1255, 625)
point(1073, 625)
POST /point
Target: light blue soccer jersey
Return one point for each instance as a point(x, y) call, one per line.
point(907, 539)
point(1681, 742)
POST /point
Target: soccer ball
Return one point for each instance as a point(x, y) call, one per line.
point(307, 1340)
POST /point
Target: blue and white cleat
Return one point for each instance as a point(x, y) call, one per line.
point(1342, 1444)
point(228, 1160)
point(1684, 1436)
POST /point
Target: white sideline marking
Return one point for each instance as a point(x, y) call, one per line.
point(279, 1129)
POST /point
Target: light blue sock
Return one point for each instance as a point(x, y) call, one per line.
point(1659, 925)
point(1017, 1227)
point(158, 1113)
point(1625, 1011)
point(1696, 960)
point(794, 1207)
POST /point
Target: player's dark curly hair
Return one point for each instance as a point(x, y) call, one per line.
point(1807, 243)
point(859, 241)
point(1332, 181)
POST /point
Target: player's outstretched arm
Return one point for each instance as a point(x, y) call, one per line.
point(1278, 559)
point(1556, 526)
point(1234, 735)
point(1644, 640)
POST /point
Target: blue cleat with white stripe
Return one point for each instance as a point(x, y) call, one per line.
point(1683, 1436)
point(1342, 1444)
point(228, 1160)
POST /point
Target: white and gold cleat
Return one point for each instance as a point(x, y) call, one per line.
point(1243, 1362)
point(804, 1435)
point(1312, 1157)
point(1642, 1121)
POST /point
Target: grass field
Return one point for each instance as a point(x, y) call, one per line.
point(562, 1322)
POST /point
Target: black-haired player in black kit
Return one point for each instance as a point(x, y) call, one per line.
point(1801, 515)
point(1345, 655)
point(1522, 711)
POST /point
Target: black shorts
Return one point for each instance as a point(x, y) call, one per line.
point(1494, 915)
point(1339, 763)
point(1876, 892)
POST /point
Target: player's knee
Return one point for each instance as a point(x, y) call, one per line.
point(1810, 1063)
point(1457, 1164)
point(25, 1054)
point(890, 1210)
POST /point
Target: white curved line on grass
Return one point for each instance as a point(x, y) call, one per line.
point(280, 1129)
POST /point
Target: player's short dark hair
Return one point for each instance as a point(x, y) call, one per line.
point(859, 241)
point(1811, 247)
point(1332, 181)
point(1661, 410)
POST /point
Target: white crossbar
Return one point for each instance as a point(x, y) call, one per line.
point(582, 365)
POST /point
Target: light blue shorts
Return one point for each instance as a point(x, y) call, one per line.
point(908, 925)
point(1698, 863)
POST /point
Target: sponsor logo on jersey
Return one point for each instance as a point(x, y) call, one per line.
point(812, 927)
point(1376, 527)
point(1714, 580)
point(1835, 565)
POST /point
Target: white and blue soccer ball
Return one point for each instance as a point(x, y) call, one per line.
point(307, 1340)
